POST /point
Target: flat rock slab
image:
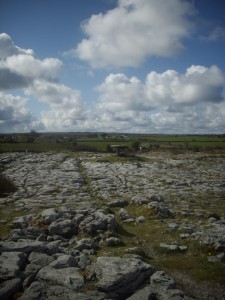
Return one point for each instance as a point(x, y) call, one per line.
point(40, 290)
point(69, 277)
point(25, 246)
point(40, 259)
point(161, 287)
point(10, 264)
point(119, 277)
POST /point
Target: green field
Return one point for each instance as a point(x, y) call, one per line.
point(100, 142)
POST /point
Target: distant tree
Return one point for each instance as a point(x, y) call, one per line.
point(104, 135)
point(135, 144)
point(74, 143)
point(34, 133)
point(109, 148)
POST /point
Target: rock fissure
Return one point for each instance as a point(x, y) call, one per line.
point(65, 246)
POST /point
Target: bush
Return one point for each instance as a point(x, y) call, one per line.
point(85, 148)
point(135, 145)
point(6, 186)
point(197, 148)
point(109, 148)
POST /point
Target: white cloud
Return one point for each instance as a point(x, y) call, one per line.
point(66, 107)
point(39, 79)
point(29, 66)
point(135, 30)
point(14, 116)
point(8, 48)
point(56, 94)
point(19, 67)
point(192, 102)
point(198, 119)
point(198, 84)
point(119, 93)
point(62, 119)
point(201, 118)
point(167, 89)
point(164, 102)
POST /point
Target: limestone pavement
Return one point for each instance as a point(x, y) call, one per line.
point(62, 200)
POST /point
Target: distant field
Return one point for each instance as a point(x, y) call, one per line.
point(102, 145)
point(188, 138)
point(72, 142)
point(33, 147)
point(162, 141)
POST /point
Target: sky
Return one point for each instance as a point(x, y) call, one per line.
point(131, 66)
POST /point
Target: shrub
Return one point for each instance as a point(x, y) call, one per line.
point(85, 148)
point(109, 148)
point(197, 148)
point(135, 145)
point(6, 186)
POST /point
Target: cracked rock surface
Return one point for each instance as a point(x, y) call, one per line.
point(60, 217)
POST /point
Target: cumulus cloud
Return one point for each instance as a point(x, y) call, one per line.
point(189, 101)
point(66, 107)
point(201, 118)
point(55, 94)
point(167, 89)
point(63, 119)
point(8, 48)
point(197, 84)
point(19, 67)
point(135, 30)
point(120, 93)
point(192, 101)
point(14, 116)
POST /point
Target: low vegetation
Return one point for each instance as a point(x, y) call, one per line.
point(95, 142)
point(6, 186)
point(144, 239)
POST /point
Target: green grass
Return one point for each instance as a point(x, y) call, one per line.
point(147, 236)
point(189, 142)
point(70, 141)
point(101, 145)
point(8, 214)
point(166, 141)
point(187, 138)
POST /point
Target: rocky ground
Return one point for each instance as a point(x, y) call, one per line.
point(68, 212)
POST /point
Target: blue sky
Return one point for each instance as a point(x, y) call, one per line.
point(142, 66)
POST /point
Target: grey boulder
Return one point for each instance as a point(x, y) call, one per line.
point(161, 287)
point(11, 264)
point(69, 277)
point(120, 277)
